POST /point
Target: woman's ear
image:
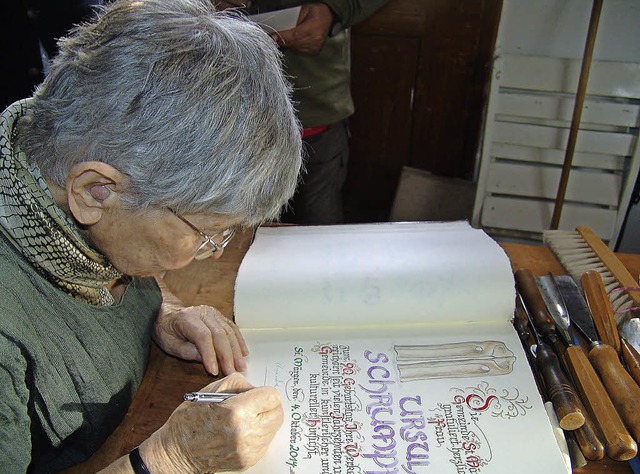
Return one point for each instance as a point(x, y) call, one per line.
point(93, 188)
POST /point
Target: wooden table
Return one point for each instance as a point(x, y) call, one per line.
point(211, 282)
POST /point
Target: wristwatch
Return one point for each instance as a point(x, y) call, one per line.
point(137, 463)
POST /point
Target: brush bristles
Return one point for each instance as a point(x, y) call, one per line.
point(577, 257)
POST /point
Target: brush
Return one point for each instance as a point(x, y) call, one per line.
point(581, 251)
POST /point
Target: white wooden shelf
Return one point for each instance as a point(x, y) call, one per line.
point(527, 126)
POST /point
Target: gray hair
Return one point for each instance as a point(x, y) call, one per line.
point(191, 104)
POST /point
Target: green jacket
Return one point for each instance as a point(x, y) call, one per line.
point(68, 370)
point(322, 82)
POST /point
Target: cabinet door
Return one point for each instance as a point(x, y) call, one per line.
point(383, 81)
point(420, 70)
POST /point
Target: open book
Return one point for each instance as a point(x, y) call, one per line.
point(393, 349)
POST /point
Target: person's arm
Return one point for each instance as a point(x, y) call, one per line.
point(201, 437)
point(199, 333)
point(15, 439)
point(352, 12)
point(309, 35)
point(319, 20)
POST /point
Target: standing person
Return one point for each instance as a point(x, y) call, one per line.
point(317, 58)
point(162, 127)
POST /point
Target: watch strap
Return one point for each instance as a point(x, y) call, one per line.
point(137, 463)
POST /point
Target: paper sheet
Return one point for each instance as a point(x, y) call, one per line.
point(278, 20)
point(372, 274)
point(422, 394)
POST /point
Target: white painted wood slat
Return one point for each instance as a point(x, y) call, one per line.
point(561, 108)
point(609, 79)
point(556, 157)
point(551, 137)
point(535, 216)
point(601, 188)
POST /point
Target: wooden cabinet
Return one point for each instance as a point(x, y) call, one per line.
point(419, 81)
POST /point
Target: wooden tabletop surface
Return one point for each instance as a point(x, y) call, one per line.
point(212, 282)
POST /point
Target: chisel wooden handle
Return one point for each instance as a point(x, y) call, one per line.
point(561, 393)
point(618, 443)
point(578, 459)
point(623, 390)
point(536, 306)
point(588, 439)
point(601, 309)
point(632, 359)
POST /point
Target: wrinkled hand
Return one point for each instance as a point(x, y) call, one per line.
point(309, 35)
point(203, 334)
point(213, 437)
point(199, 333)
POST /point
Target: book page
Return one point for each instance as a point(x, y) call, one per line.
point(442, 399)
point(393, 350)
point(373, 274)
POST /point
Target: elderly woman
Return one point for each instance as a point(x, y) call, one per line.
point(162, 127)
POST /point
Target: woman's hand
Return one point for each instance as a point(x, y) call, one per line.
point(310, 33)
point(213, 437)
point(199, 333)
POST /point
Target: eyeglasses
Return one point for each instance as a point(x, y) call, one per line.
point(209, 246)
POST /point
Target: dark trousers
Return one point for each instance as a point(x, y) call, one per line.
point(318, 199)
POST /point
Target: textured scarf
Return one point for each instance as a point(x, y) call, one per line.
point(40, 229)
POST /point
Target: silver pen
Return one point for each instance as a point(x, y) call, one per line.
point(204, 397)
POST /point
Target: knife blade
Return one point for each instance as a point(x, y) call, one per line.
point(622, 389)
point(618, 443)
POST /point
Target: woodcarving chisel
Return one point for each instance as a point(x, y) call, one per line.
point(584, 442)
point(622, 389)
point(561, 393)
point(619, 444)
point(601, 309)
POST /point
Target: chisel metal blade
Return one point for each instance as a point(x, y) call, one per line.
point(556, 305)
point(577, 306)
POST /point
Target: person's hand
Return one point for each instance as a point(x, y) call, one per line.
point(203, 334)
point(199, 333)
point(310, 33)
point(222, 5)
point(213, 437)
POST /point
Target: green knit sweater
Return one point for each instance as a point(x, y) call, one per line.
point(322, 82)
point(68, 370)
